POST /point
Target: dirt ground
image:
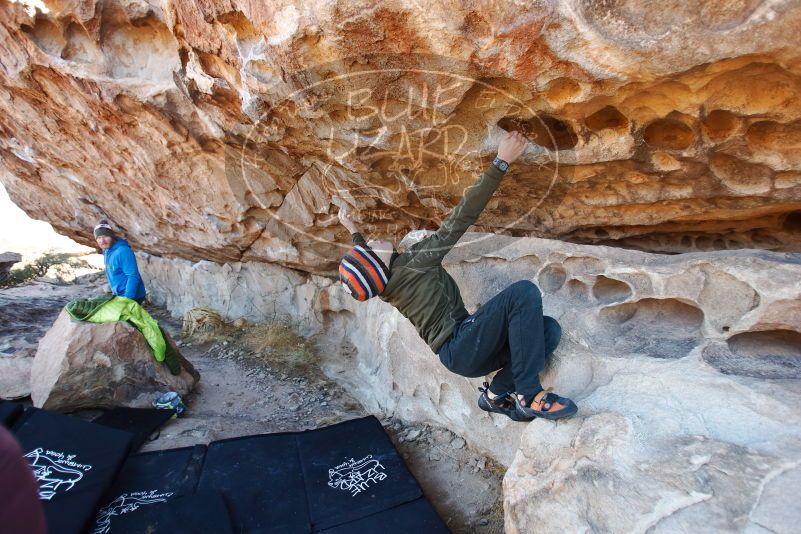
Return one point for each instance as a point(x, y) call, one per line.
point(243, 393)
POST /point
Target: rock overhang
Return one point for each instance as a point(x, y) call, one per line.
point(233, 133)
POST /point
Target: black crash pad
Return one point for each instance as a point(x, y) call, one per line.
point(307, 481)
point(201, 513)
point(352, 470)
point(413, 517)
point(9, 412)
point(262, 481)
point(145, 480)
point(141, 422)
point(74, 462)
point(343, 478)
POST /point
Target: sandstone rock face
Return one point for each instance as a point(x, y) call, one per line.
point(224, 130)
point(681, 360)
point(685, 368)
point(7, 260)
point(229, 132)
point(15, 374)
point(84, 365)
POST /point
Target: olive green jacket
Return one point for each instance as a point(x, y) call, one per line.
point(419, 287)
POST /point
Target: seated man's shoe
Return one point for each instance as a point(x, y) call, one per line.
point(502, 404)
point(545, 405)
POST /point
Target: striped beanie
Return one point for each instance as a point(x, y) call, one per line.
point(363, 273)
point(103, 228)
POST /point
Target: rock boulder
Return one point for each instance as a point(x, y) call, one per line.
point(668, 128)
point(84, 365)
point(15, 374)
point(686, 370)
point(7, 260)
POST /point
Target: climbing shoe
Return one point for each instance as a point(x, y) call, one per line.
point(545, 405)
point(502, 404)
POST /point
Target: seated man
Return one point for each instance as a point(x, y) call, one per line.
point(507, 334)
point(121, 269)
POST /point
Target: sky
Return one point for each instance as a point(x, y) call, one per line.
point(29, 237)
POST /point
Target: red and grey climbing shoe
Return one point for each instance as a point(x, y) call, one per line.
point(545, 405)
point(502, 404)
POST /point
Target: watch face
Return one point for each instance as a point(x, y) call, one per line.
point(502, 165)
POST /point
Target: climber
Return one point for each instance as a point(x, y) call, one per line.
point(508, 334)
point(121, 269)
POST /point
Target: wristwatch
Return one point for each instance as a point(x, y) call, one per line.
point(500, 164)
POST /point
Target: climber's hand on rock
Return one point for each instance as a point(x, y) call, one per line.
point(512, 146)
point(345, 219)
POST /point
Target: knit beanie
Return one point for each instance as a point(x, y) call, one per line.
point(103, 228)
point(363, 273)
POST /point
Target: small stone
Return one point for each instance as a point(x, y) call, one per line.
point(483, 522)
point(441, 437)
point(458, 443)
point(412, 435)
point(324, 404)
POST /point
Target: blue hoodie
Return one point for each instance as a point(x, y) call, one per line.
point(122, 272)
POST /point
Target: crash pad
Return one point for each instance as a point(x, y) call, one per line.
point(145, 480)
point(141, 422)
point(74, 462)
point(9, 412)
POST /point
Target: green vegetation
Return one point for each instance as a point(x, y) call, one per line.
point(203, 324)
point(279, 345)
point(272, 343)
point(58, 264)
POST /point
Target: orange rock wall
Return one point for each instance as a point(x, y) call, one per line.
point(232, 130)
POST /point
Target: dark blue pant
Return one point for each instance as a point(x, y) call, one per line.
point(510, 333)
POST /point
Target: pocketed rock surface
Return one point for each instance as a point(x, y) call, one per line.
point(685, 369)
point(220, 137)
